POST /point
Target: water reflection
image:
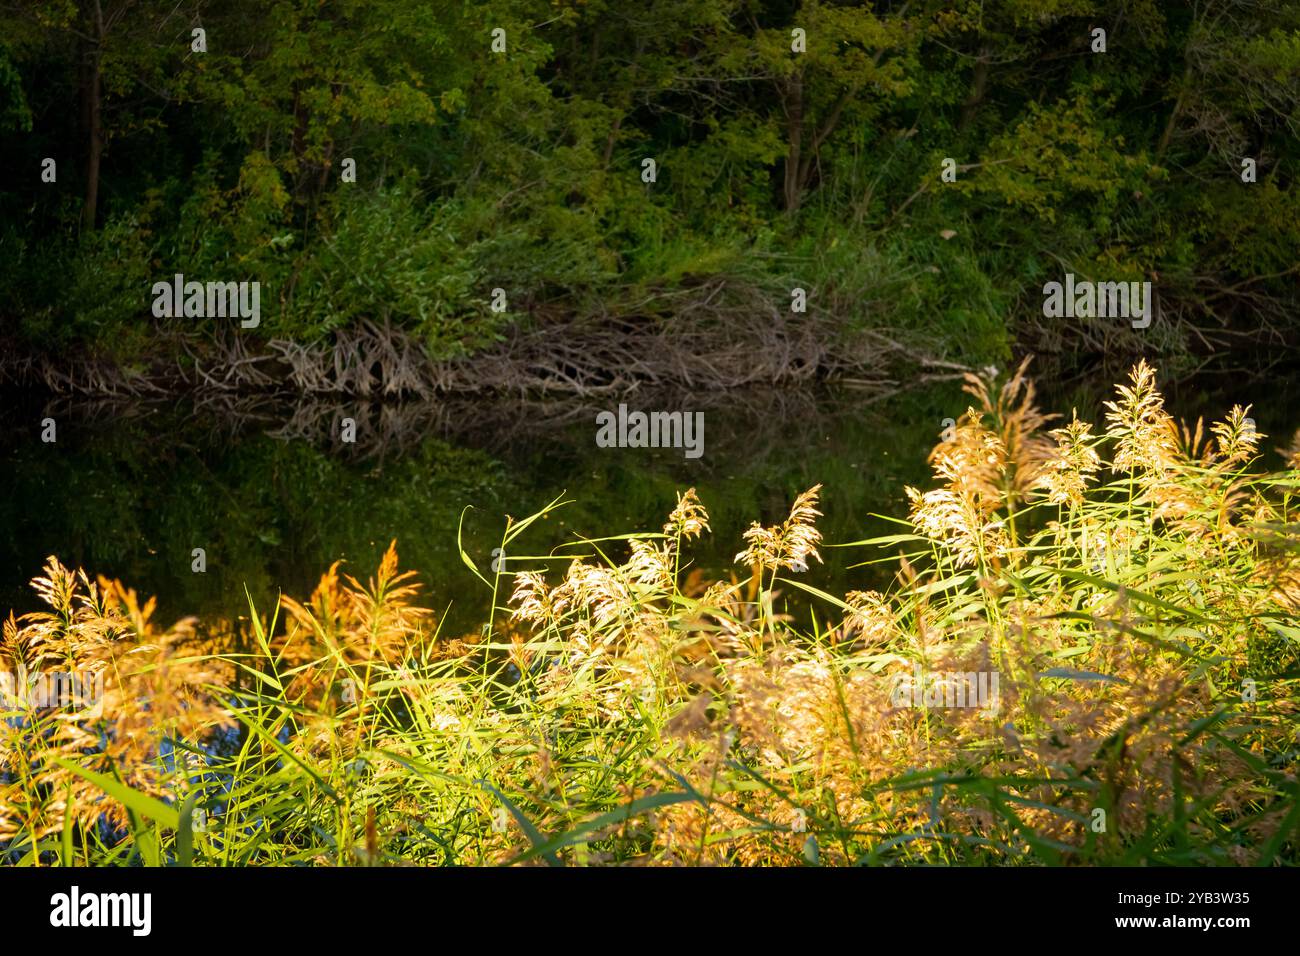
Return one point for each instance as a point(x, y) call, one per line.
point(273, 495)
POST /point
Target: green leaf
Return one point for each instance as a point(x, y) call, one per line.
point(810, 851)
point(185, 832)
point(1067, 674)
point(575, 835)
point(534, 835)
point(140, 803)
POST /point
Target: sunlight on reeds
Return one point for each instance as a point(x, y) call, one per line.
point(1131, 594)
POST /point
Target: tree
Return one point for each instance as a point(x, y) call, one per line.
point(123, 51)
point(856, 62)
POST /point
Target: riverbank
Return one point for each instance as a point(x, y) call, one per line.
point(713, 336)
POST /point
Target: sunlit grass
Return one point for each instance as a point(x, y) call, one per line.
point(1133, 588)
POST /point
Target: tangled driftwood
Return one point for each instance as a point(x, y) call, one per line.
point(718, 335)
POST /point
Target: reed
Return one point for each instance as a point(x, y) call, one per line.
point(1131, 589)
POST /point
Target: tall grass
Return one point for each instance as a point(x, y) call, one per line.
point(1134, 590)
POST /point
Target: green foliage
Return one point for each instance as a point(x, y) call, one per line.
point(521, 169)
point(15, 114)
point(391, 257)
point(108, 288)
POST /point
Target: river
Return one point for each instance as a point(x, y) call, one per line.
point(272, 495)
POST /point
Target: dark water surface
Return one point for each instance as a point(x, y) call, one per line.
point(273, 497)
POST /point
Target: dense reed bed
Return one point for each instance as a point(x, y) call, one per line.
point(1089, 655)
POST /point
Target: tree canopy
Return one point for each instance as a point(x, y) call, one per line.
point(504, 145)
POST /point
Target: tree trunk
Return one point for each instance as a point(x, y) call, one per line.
point(794, 136)
point(979, 83)
point(1172, 123)
point(93, 92)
